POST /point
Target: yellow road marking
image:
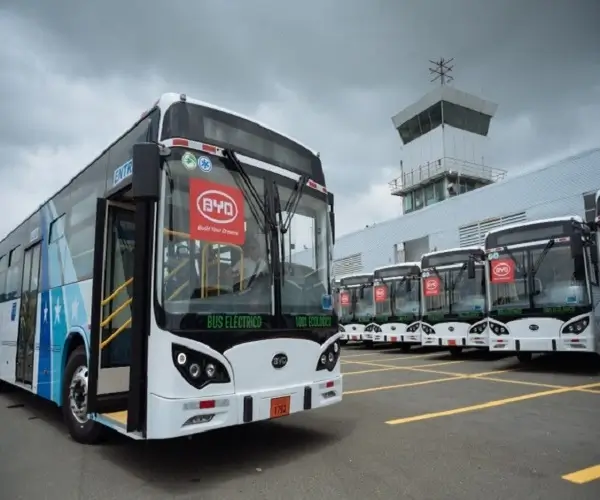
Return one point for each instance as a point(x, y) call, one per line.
point(584, 475)
point(489, 404)
point(424, 369)
point(399, 386)
point(399, 358)
point(399, 368)
point(344, 356)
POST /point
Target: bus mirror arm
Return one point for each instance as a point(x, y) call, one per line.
point(146, 166)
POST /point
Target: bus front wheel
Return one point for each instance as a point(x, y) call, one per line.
point(455, 350)
point(74, 400)
point(525, 357)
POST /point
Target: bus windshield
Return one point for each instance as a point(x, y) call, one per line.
point(215, 253)
point(450, 291)
point(401, 298)
point(344, 304)
point(304, 285)
point(558, 281)
point(363, 301)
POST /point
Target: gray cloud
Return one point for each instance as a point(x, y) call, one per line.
point(331, 73)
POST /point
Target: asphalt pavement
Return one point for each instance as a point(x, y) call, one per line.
point(420, 425)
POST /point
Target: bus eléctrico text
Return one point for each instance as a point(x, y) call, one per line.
point(398, 304)
point(453, 299)
point(151, 294)
point(356, 306)
point(543, 287)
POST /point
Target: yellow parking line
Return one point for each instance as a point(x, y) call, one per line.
point(399, 386)
point(389, 368)
point(344, 356)
point(489, 404)
point(399, 358)
point(584, 475)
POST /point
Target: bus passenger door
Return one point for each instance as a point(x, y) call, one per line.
point(112, 343)
point(28, 315)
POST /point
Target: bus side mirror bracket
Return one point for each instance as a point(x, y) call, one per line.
point(471, 268)
point(145, 182)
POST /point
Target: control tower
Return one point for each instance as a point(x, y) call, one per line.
point(444, 136)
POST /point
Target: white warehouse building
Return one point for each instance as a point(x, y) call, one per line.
point(453, 199)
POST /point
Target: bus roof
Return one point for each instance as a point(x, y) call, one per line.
point(473, 248)
point(399, 265)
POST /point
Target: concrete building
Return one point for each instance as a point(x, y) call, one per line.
point(454, 198)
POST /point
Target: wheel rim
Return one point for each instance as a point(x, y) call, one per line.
point(78, 394)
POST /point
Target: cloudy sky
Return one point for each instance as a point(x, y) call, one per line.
point(332, 73)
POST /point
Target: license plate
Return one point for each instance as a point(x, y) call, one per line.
point(280, 407)
point(452, 342)
point(392, 339)
point(354, 337)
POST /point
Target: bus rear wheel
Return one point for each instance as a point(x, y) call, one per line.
point(74, 397)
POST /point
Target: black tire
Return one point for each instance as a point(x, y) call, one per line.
point(343, 341)
point(90, 432)
point(455, 351)
point(405, 347)
point(525, 357)
point(368, 344)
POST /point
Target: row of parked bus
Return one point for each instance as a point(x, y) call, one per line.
point(532, 287)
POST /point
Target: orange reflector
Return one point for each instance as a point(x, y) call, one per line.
point(209, 149)
point(206, 405)
point(329, 384)
point(181, 142)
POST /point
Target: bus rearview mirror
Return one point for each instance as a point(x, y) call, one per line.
point(471, 268)
point(145, 182)
point(576, 245)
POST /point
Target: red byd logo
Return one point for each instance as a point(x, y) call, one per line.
point(502, 271)
point(345, 299)
point(381, 293)
point(216, 212)
point(431, 286)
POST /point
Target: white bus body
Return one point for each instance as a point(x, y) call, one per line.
point(397, 304)
point(543, 287)
point(140, 297)
point(453, 301)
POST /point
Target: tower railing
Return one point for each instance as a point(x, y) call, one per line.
point(442, 167)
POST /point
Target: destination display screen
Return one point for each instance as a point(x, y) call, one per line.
point(395, 272)
point(358, 280)
point(222, 129)
point(445, 259)
point(529, 233)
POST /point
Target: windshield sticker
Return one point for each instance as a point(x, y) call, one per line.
point(122, 172)
point(188, 160)
point(313, 321)
point(327, 302)
point(345, 298)
point(431, 286)
point(204, 164)
point(502, 271)
point(381, 293)
point(234, 322)
point(216, 212)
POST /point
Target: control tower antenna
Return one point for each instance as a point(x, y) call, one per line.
point(441, 69)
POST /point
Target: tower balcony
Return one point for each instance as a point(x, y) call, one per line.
point(452, 168)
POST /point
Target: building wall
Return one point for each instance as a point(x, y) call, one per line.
point(550, 191)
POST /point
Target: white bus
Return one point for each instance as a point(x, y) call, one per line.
point(543, 287)
point(453, 299)
point(150, 295)
point(356, 305)
point(339, 311)
point(398, 304)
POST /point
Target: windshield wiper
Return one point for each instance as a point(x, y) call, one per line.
point(254, 201)
point(523, 270)
point(536, 267)
point(292, 204)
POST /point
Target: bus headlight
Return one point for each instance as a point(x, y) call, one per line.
point(498, 329)
point(328, 359)
point(478, 329)
point(198, 369)
point(413, 328)
point(427, 329)
point(576, 327)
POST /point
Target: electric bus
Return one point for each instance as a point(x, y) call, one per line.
point(453, 299)
point(398, 304)
point(543, 287)
point(339, 310)
point(151, 295)
point(356, 303)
